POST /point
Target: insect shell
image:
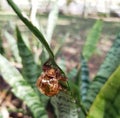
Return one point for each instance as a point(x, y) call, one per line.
point(48, 82)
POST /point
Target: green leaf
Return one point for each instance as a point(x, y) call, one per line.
point(34, 29)
point(92, 39)
point(84, 79)
point(21, 88)
point(30, 69)
point(13, 45)
point(62, 65)
point(107, 102)
point(74, 83)
point(64, 105)
point(1, 46)
point(111, 62)
point(71, 75)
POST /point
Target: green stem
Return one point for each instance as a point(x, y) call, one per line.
point(34, 29)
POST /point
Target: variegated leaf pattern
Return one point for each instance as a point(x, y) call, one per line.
point(107, 102)
point(92, 39)
point(84, 79)
point(21, 88)
point(112, 61)
point(30, 68)
point(64, 105)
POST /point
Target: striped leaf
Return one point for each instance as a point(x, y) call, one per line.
point(30, 69)
point(107, 102)
point(71, 75)
point(84, 79)
point(21, 88)
point(64, 105)
point(80, 81)
point(1, 46)
point(92, 39)
point(112, 61)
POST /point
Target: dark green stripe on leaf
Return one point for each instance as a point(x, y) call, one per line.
point(92, 39)
point(84, 78)
point(107, 102)
point(30, 69)
point(112, 61)
point(1, 46)
point(21, 88)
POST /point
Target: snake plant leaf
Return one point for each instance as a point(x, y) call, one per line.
point(64, 105)
point(111, 62)
point(107, 102)
point(33, 28)
point(84, 79)
point(71, 75)
point(52, 19)
point(74, 83)
point(80, 102)
point(92, 39)
point(13, 45)
point(1, 46)
point(61, 64)
point(43, 57)
point(30, 68)
point(21, 88)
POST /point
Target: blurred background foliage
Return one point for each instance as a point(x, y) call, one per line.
point(79, 39)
